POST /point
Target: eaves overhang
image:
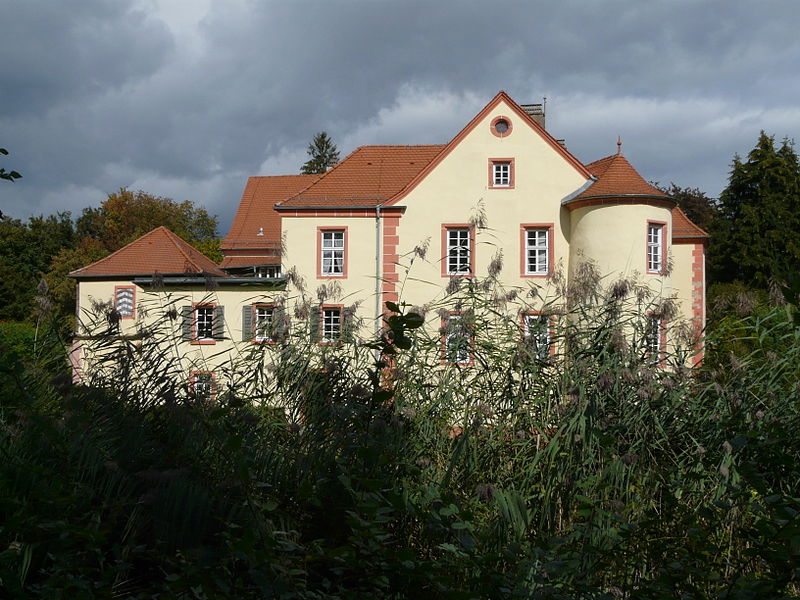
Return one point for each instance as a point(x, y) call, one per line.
point(262, 282)
point(611, 199)
point(339, 207)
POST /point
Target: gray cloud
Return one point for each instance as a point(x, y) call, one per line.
point(186, 100)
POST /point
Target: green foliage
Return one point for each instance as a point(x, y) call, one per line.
point(756, 238)
point(26, 250)
point(332, 474)
point(8, 175)
point(323, 155)
point(700, 209)
point(125, 216)
point(17, 338)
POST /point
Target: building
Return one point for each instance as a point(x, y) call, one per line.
point(503, 187)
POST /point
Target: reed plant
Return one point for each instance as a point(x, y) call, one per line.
point(378, 468)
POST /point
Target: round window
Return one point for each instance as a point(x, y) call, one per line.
point(501, 126)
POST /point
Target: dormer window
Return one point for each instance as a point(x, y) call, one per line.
point(268, 271)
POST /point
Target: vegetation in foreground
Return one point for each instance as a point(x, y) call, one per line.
point(591, 475)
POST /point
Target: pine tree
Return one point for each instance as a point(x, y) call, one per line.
point(323, 154)
point(756, 237)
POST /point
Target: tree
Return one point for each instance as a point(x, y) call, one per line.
point(323, 154)
point(26, 250)
point(756, 238)
point(701, 209)
point(62, 288)
point(8, 175)
point(124, 216)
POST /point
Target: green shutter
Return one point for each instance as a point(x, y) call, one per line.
point(187, 323)
point(280, 323)
point(247, 323)
point(348, 323)
point(314, 323)
point(219, 323)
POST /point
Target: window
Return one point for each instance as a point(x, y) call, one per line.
point(655, 339)
point(457, 340)
point(332, 252)
point(203, 323)
point(501, 126)
point(457, 250)
point(202, 385)
point(262, 322)
point(331, 324)
point(259, 323)
point(124, 301)
point(537, 335)
point(501, 173)
point(655, 247)
point(537, 255)
point(269, 271)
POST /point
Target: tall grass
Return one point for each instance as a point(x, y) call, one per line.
point(592, 473)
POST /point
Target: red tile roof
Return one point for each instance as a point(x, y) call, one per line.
point(366, 177)
point(235, 262)
point(256, 213)
point(683, 228)
point(159, 251)
point(616, 177)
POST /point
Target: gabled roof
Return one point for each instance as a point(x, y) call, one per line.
point(683, 228)
point(493, 103)
point(383, 175)
point(616, 177)
point(159, 251)
point(368, 176)
point(256, 213)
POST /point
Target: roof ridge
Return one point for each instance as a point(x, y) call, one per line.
point(322, 176)
point(501, 96)
point(118, 250)
point(179, 243)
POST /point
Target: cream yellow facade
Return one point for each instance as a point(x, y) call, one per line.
point(502, 199)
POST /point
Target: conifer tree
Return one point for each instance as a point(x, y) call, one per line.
point(323, 153)
point(756, 237)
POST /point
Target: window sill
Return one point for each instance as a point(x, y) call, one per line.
point(202, 342)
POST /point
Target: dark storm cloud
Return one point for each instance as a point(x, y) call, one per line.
point(100, 96)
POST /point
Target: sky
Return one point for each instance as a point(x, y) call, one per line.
point(187, 98)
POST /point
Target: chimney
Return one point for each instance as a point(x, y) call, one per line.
point(536, 111)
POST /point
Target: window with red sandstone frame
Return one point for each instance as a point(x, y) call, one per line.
point(655, 248)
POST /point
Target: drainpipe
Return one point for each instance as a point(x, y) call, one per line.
point(378, 282)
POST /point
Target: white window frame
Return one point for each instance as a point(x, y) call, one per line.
point(537, 254)
point(204, 322)
point(501, 173)
point(654, 338)
point(537, 334)
point(263, 319)
point(203, 385)
point(268, 271)
point(655, 247)
point(331, 326)
point(332, 252)
point(459, 254)
point(454, 333)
